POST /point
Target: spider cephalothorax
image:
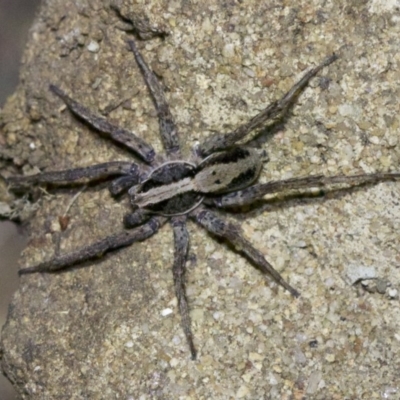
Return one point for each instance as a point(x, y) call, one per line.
point(219, 174)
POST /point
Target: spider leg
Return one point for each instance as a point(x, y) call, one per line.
point(98, 249)
point(168, 130)
point(181, 240)
point(232, 232)
point(77, 175)
point(119, 135)
point(256, 192)
point(123, 183)
point(221, 142)
point(138, 217)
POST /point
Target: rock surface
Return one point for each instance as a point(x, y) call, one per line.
point(102, 331)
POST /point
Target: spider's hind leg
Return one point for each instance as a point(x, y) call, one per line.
point(256, 192)
point(231, 232)
point(168, 130)
point(222, 142)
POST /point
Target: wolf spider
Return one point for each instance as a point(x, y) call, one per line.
point(219, 174)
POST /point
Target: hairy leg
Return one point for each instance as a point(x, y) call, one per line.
point(98, 249)
point(76, 175)
point(119, 135)
point(256, 192)
point(123, 183)
point(168, 130)
point(222, 142)
point(181, 240)
point(231, 232)
point(136, 218)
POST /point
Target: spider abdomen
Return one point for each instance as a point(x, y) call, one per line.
point(227, 171)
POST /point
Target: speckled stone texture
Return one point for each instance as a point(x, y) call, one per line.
point(105, 331)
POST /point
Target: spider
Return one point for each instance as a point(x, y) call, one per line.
point(219, 174)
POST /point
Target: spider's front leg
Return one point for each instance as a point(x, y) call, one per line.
point(168, 130)
point(181, 240)
point(256, 192)
point(222, 142)
point(119, 135)
point(98, 249)
point(231, 232)
point(78, 175)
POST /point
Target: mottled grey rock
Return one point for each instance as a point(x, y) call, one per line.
point(101, 331)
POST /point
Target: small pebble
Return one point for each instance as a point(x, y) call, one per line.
point(93, 46)
point(166, 311)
